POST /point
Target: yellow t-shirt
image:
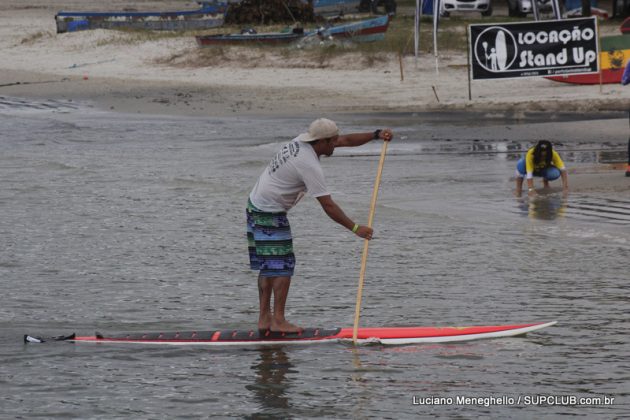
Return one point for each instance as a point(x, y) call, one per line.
point(531, 168)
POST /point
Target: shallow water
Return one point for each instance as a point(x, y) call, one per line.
point(126, 223)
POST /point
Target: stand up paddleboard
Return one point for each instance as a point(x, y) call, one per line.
point(391, 336)
point(501, 50)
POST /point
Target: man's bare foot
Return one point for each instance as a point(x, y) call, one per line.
point(264, 322)
point(285, 327)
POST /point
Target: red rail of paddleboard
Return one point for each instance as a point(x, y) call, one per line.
point(422, 332)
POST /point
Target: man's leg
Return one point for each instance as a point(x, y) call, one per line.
point(280, 293)
point(274, 320)
point(265, 289)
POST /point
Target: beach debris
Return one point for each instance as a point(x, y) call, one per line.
point(435, 93)
point(368, 30)
point(65, 79)
point(74, 66)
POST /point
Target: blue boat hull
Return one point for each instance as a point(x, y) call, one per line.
point(362, 31)
point(208, 16)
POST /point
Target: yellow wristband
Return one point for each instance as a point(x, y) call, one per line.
point(355, 228)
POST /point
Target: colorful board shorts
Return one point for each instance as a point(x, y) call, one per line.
point(549, 173)
point(269, 242)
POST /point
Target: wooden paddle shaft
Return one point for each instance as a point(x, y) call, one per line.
point(377, 182)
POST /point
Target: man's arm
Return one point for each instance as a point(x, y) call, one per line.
point(358, 139)
point(334, 212)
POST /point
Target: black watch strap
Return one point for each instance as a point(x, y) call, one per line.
point(377, 134)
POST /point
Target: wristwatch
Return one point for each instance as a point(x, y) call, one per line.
point(377, 134)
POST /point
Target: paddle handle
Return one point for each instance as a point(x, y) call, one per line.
point(366, 243)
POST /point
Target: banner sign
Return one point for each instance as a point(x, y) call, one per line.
point(534, 49)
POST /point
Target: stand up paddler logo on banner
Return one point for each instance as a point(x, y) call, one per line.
point(534, 49)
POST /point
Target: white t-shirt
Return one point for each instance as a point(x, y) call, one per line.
point(294, 171)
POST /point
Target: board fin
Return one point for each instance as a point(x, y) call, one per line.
point(36, 339)
point(31, 339)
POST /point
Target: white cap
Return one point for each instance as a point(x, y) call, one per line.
point(321, 128)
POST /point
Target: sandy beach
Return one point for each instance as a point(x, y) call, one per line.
point(172, 75)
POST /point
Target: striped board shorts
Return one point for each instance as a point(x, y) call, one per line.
point(269, 242)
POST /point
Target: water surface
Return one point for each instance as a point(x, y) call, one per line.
point(119, 223)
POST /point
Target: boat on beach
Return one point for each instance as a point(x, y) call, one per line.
point(614, 54)
point(209, 15)
point(247, 37)
point(360, 31)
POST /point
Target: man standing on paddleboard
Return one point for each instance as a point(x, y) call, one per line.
point(294, 171)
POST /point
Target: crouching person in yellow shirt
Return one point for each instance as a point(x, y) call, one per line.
point(540, 161)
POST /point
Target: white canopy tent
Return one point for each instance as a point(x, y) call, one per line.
point(436, 19)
